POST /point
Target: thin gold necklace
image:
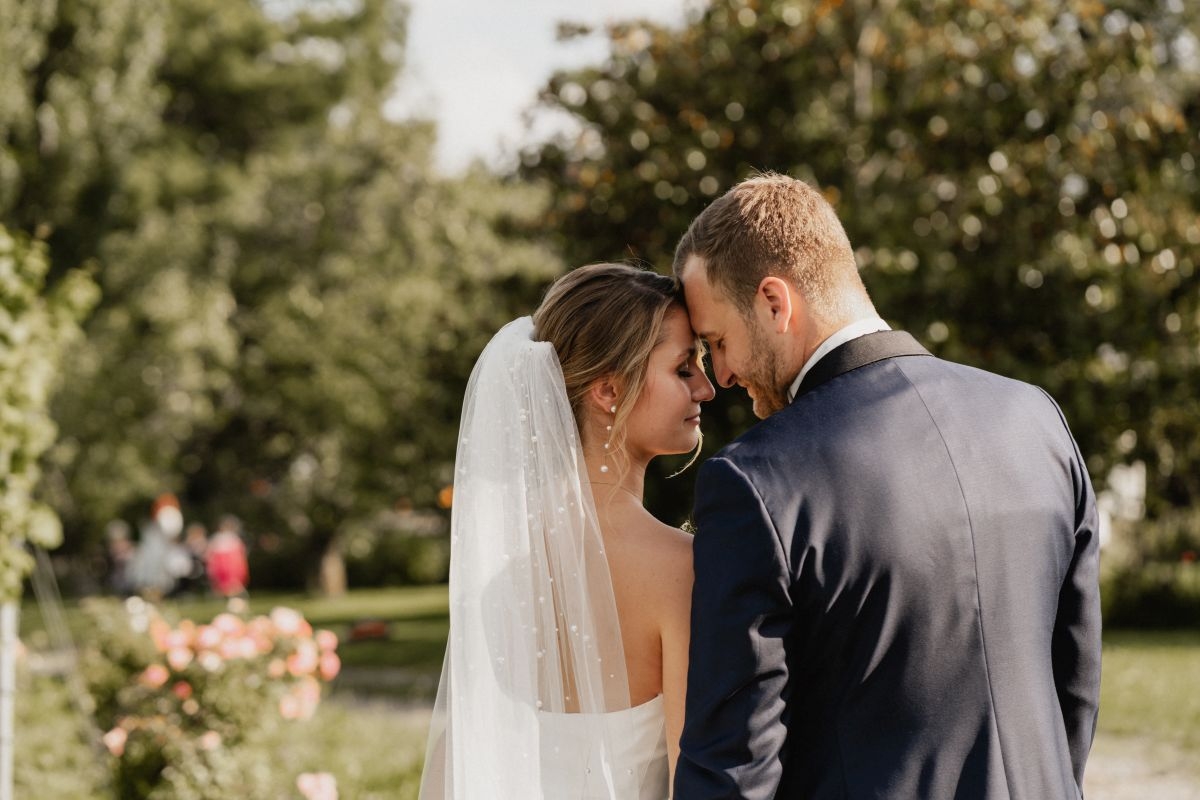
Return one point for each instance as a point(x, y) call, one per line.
point(619, 486)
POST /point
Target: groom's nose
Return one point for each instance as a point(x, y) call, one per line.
point(724, 375)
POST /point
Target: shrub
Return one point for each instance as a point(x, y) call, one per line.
point(1156, 582)
point(53, 758)
point(188, 708)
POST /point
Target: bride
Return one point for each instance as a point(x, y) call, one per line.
point(566, 663)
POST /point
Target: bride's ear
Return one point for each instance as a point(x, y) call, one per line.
point(603, 395)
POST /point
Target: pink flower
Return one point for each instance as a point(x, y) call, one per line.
point(309, 692)
point(239, 647)
point(331, 665)
point(154, 676)
point(159, 631)
point(210, 740)
point(305, 660)
point(327, 640)
point(179, 658)
point(182, 690)
point(287, 621)
point(301, 702)
point(317, 786)
point(229, 625)
point(115, 739)
point(289, 707)
point(246, 647)
point(208, 638)
point(210, 661)
point(177, 640)
point(276, 669)
point(229, 649)
point(262, 631)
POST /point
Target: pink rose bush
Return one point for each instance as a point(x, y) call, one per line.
point(183, 705)
point(317, 786)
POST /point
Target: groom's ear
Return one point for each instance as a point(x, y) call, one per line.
point(774, 301)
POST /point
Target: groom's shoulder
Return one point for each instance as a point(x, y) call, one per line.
point(966, 380)
point(773, 434)
point(766, 457)
point(818, 421)
point(992, 400)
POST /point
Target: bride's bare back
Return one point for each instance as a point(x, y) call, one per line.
point(651, 567)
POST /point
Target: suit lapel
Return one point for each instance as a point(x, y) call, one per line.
point(859, 353)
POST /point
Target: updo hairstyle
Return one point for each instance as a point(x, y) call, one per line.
point(604, 320)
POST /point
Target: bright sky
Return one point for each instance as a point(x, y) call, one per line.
point(475, 66)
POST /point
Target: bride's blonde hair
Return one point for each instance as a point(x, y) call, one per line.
point(604, 320)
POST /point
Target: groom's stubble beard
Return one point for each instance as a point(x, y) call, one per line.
point(763, 377)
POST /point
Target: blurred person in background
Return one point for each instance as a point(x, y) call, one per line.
point(160, 560)
point(225, 559)
point(120, 550)
point(195, 545)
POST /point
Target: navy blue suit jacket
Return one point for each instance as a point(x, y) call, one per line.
point(896, 592)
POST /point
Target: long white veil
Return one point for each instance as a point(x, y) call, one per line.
point(533, 621)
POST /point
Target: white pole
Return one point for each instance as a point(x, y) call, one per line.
point(8, 693)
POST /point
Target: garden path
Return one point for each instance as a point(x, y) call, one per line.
point(1134, 768)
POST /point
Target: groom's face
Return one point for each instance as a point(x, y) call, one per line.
point(741, 354)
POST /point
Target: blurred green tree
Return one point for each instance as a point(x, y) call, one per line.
point(292, 297)
point(1020, 182)
point(35, 326)
point(352, 371)
point(77, 97)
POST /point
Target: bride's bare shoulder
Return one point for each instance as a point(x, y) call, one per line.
point(660, 553)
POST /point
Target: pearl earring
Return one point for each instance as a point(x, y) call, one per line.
point(608, 444)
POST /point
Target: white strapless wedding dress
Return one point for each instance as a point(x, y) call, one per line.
point(574, 769)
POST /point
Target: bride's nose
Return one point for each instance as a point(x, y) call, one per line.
point(702, 389)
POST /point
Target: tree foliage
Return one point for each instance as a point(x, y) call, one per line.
point(1020, 181)
point(292, 297)
point(34, 328)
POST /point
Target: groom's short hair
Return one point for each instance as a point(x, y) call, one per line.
point(773, 225)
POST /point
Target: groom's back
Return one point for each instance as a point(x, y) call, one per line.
point(927, 513)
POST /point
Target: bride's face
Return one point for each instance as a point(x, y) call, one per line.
point(666, 417)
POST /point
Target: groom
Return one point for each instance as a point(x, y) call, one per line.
point(896, 571)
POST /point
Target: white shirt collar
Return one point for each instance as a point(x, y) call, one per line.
point(852, 331)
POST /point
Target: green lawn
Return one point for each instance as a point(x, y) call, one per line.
point(371, 731)
point(1148, 688)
